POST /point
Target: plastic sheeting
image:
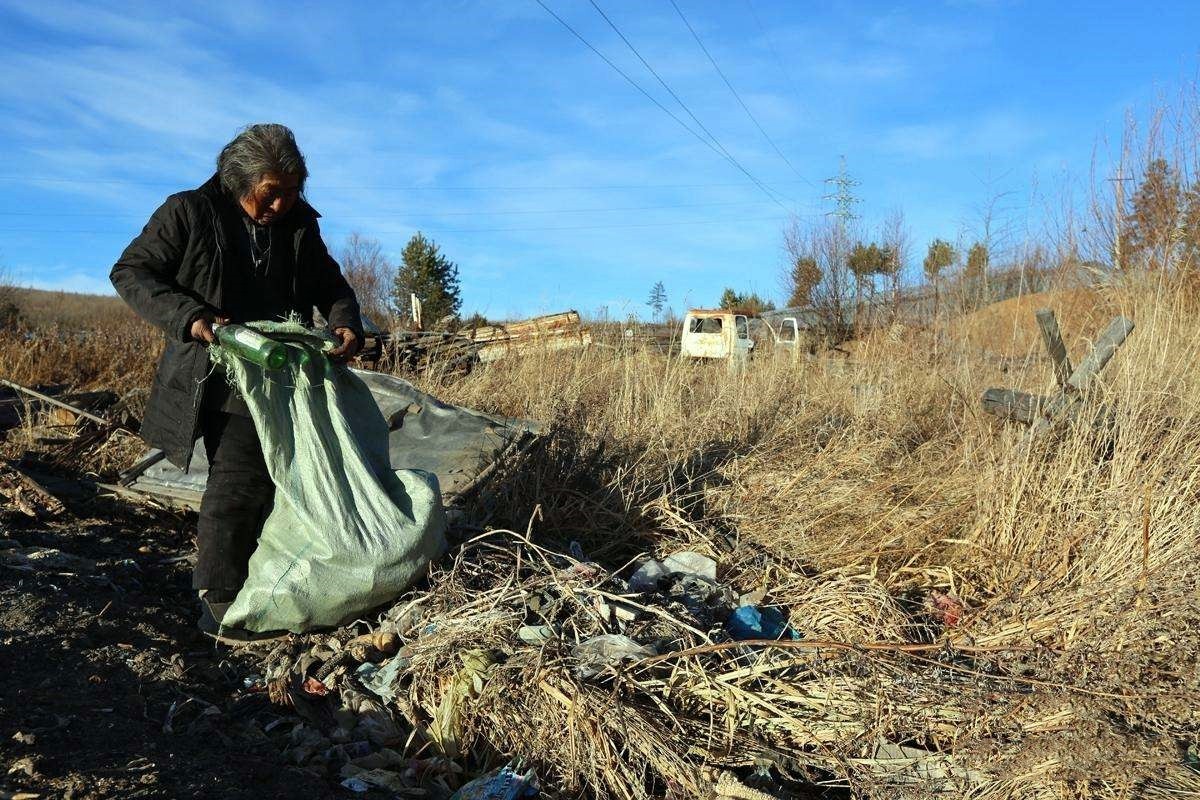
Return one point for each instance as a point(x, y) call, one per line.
point(457, 444)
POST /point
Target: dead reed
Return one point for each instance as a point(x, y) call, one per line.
point(849, 492)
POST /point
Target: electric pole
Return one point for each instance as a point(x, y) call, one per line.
point(1118, 181)
point(842, 196)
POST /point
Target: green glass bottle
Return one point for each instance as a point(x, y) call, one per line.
point(252, 345)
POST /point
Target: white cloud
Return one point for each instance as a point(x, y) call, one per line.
point(987, 134)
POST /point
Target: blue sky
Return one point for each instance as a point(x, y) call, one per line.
point(549, 179)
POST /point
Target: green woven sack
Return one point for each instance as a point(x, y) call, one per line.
point(347, 532)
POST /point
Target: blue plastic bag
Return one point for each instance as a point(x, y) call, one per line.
point(752, 622)
point(506, 783)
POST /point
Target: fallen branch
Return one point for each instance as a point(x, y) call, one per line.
point(45, 398)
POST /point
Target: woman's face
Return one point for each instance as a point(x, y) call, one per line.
point(272, 198)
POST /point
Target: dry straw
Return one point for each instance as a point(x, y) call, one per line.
point(848, 491)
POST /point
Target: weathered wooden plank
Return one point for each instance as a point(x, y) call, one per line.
point(1106, 346)
point(1084, 375)
point(1012, 405)
point(48, 399)
point(1052, 338)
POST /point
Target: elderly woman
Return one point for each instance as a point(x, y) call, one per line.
point(244, 246)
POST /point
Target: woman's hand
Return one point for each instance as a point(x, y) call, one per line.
point(349, 347)
point(202, 330)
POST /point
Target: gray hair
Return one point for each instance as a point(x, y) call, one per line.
point(255, 151)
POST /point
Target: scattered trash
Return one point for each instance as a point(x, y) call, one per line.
point(617, 612)
point(45, 559)
point(373, 646)
point(356, 785)
point(24, 738)
point(946, 608)
point(646, 577)
point(690, 563)
point(753, 622)
point(1191, 758)
point(536, 634)
point(315, 687)
point(381, 680)
point(610, 650)
point(507, 783)
point(381, 778)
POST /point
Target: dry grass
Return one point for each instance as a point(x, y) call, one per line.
point(78, 341)
point(848, 490)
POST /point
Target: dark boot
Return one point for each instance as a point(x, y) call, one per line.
point(214, 603)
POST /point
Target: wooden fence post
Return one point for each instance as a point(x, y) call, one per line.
point(1082, 377)
point(1052, 338)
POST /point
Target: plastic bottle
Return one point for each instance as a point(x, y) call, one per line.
point(252, 345)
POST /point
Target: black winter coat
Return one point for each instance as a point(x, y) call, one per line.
point(175, 271)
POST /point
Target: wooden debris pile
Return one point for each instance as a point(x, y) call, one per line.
point(562, 331)
point(419, 351)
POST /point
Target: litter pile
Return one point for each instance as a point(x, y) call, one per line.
point(659, 677)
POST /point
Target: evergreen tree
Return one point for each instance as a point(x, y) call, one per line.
point(975, 275)
point(1191, 229)
point(940, 256)
point(805, 277)
point(866, 261)
point(750, 304)
point(1154, 217)
point(977, 261)
point(658, 299)
point(433, 278)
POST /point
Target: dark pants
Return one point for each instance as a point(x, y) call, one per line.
point(237, 500)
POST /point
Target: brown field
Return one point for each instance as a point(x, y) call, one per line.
point(851, 492)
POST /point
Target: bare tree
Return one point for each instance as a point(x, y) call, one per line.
point(897, 238)
point(368, 272)
point(827, 245)
point(801, 274)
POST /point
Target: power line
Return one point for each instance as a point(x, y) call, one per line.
point(654, 100)
point(724, 221)
point(671, 92)
point(398, 188)
point(741, 102)
point(419, 213)
point(783, 69)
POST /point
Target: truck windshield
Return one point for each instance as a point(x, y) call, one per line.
point(705, 325)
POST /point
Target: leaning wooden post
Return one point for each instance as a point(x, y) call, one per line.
point(1052, 338)
point(1012, 405)
point(1083, 375)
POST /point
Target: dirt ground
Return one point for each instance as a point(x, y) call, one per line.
point(107, 688)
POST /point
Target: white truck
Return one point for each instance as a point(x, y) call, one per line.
point(715, 335)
